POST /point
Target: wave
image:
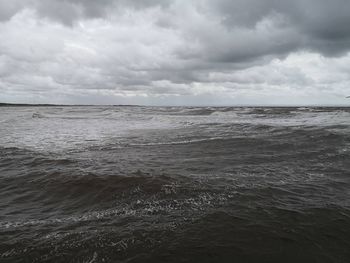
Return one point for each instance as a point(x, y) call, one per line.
point(137, 207)
point(197, 111)
point(190, 141)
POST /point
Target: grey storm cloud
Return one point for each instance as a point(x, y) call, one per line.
point(68, 11)
point(321, 24)
point(156, 50)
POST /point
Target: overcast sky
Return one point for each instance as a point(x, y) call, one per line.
point(178, 52)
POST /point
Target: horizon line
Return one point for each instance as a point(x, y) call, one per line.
point(10, 104)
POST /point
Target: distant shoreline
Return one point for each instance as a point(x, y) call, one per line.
point(25, 105)
point(59, 105)
point(189, 106)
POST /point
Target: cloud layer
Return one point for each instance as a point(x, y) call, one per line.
point(175, 52)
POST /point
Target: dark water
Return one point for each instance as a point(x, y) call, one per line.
point(134, 184)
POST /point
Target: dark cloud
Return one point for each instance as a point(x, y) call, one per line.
point(323, 25)
point(69, 11)
point(10, 8)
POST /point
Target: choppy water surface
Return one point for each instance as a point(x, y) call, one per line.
point(143, 184)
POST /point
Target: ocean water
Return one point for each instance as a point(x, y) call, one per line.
point(181, 184)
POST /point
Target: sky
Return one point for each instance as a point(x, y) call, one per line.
point(175, 52)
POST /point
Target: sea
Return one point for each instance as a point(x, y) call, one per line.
point(174, 184)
